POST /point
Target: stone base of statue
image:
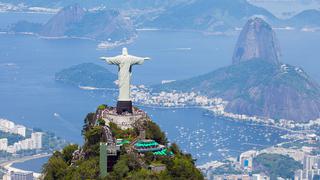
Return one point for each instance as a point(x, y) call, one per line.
point(124, 106)
point(123, 120)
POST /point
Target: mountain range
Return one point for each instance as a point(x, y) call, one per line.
point(122, 17)
point(307, 18)
point(223, 16)
point(214, 15)
point(119, 4)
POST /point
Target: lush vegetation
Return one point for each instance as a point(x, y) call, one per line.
point(181, 166)
point(276, 165)
point(226, 169)
point(62, 165)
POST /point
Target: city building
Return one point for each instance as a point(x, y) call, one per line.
point(260, 177)
point(3, 144)
point(37, 140)
point(18, 176)
point(6, 125)
point(307, 174)
point(11, 149)
point(21, 130)
point(311, 162)
point(311, 168)
point(27, 144)
point(10, 127)
point(246, 160)
point(241, 177)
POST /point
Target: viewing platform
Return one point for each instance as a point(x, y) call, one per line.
point(125, 120)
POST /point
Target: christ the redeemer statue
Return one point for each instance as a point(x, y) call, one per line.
point(125, 63)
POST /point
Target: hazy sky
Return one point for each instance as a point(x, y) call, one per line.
point(286, 8)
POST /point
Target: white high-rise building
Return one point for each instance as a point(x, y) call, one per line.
point(6, 125)
point(17, 146)
point(27, 144)
point(11, 149)
point(311, 162)
point(3, 144)
point(37, 140)
point(21, 130)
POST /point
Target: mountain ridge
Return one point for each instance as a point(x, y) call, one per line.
point(76, 22)
point(213, 15)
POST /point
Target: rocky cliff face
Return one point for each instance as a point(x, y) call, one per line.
point(59, 24)
point(257, 40)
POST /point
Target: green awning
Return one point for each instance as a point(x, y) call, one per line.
point(146, 144)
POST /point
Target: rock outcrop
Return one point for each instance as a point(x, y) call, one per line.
point(257, 40)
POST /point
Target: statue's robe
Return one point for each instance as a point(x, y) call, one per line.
point(125, 63)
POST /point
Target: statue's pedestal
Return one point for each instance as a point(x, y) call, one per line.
point(124, 106)
point(124, 120)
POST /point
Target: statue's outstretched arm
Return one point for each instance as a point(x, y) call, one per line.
point(111, 60)
point(138, 60)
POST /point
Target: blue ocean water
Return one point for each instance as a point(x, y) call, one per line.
point(30, 96)
point(34, 165)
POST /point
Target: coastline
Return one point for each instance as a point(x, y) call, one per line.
point(8, 164)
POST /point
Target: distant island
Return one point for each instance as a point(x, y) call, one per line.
point(87, 75)
point(76, 22)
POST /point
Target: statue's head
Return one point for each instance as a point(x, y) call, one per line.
point(124, 51)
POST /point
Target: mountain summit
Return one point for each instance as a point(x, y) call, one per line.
point(59, 24)
point(257, 40)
